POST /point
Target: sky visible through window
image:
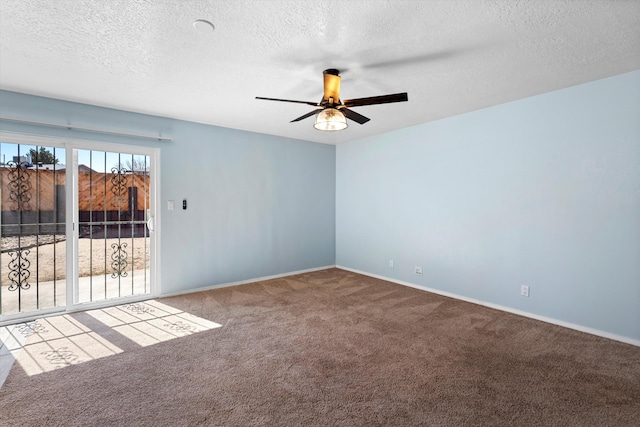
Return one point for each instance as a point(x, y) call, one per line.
point(98, 161)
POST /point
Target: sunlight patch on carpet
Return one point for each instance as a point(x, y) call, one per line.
point(51, 343)
point(151, 322)
point(60, 341)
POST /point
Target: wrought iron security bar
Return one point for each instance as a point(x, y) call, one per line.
point(32, 228)
point(113, 203)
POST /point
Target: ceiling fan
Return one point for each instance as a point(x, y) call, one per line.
point(332, 111)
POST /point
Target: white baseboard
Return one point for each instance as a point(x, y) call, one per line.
point(243, 282)
point(545, 319)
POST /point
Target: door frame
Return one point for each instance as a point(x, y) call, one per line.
point(71, 147)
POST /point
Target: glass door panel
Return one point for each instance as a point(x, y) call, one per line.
point(114, 248)
point(32, 228)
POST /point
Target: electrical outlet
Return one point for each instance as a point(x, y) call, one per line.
point(391, 264)
point(418, 271)
point(524, 290)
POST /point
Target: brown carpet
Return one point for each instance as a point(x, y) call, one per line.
point(337, 348)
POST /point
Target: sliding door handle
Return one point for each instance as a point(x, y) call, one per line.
point(150, 224)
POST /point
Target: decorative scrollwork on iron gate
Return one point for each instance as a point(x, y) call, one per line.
point(119, 183)
point(119, 260)
point(19, 186)
point(19, 270)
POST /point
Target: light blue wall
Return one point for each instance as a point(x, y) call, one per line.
point(258, 205)
point(543, 191)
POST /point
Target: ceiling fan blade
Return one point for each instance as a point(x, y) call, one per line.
point(383, 99)
point(315, 104)
point(306, 115)
point(331, 85)
point(358, 118)
point(403, 61)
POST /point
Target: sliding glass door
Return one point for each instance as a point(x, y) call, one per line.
point(76, 225)
point(33, 182)
point(114, 245)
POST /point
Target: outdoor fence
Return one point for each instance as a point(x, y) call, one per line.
point(34, 202)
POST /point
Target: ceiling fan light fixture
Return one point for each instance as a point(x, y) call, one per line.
point(330, 119)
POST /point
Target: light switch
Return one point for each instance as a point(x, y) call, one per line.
point(171, 205)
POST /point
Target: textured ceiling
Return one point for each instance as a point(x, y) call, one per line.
point(450, 56)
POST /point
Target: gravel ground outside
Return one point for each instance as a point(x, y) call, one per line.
point(94, 256)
